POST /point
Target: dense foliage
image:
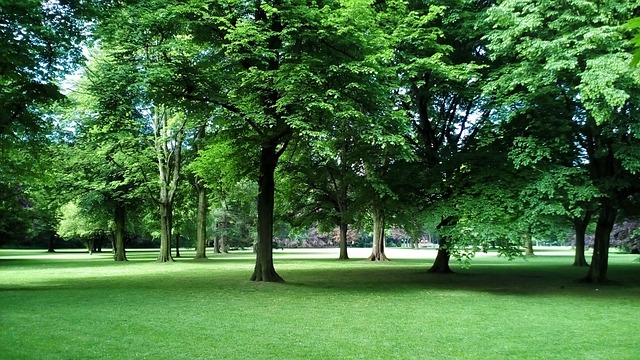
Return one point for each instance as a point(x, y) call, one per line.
point(478, 124)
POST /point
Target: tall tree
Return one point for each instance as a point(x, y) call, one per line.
point(39, 43)
point(578, 50)
point(441, 69)
point(282, 68)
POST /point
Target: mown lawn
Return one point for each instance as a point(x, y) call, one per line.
point(75, 306)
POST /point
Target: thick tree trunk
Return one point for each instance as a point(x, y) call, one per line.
point(343, 241)
point(165, 234)
point(119, 217)
point(441, 264)
point(580, 226)
point(264, 270)
point(600, 259)
point(201, 227)
point(377, 252)
point(528, 245)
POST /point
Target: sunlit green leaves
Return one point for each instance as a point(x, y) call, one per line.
point(604, 85)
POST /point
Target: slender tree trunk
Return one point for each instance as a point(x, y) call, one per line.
point(528, 245)
point(165, 234)
point(52, 239)
point(441, 264)
point(264, 270)
point(112, 238)
point(90, 246)
point(99, 242)
point(222, 247)
point(168, 147)
point(201, 227)
point(216, 241)
point(177, 245)
point(119, 219)
point(343, 241)
point(222, 231)
point(580, 226)
point(377, 252)
point(600, 259)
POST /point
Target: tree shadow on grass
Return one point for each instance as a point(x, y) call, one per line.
point(355, 276)
point(499, 280)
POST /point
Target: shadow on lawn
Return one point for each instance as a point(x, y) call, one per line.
point(509, 280)
point(230, 274)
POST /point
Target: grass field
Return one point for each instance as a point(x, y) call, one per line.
point(70, 305)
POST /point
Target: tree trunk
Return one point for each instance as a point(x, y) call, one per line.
point(528, 245)
point(168, 147)
point(90, 246)
point(201, 227)
point(441, 264)
point(377, 252)
point(216, 241)
point(600, 259)
point(112, 238)
point(222, 247)
point(165, 235)
point(343, 241)
point(119, 219)
point(264, 270)
point(580, 226)
point(52, 239)
point(98, 243)
point(177, 245)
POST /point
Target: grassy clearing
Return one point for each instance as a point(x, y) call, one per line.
point(76, 306)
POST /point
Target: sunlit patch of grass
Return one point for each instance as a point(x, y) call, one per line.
point(76, 306)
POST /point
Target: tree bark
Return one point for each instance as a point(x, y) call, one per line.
point(600, 259)
point(528, 245)
point(580, 226)
point(177, 245)
point(216, 241)
point(264, 270)
point(168, 147)
point(52, 239)
point(441, 264)
point(377, 252)
point(222, 247)
point(343, 241)
point(165, 235)
point(203, 204)
point(201, 227)
point(119, 219)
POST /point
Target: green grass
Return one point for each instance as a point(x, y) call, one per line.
point(76, 306)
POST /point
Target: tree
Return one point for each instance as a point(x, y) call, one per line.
point(277, 73)
point(39, 43)
point(441, 71)
point(154, 56)
point(78, 223)
point(559, 49)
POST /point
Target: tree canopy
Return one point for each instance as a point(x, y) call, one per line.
point(499, 122)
